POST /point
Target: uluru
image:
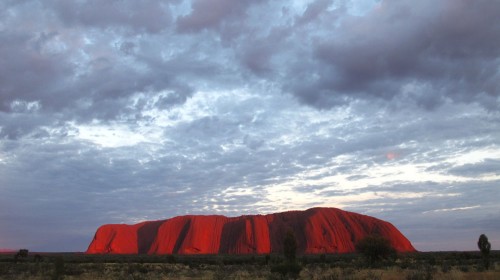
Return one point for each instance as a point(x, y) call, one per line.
point(317, 230)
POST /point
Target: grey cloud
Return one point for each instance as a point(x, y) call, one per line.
point(485, 167)
point(63, 95)
point(313, 10)
point(258, 59)
point(128, 47)
point(22, 63)
point(310, 188)
point(149, 16)
point(439, 167)
point(337, 193)
point(262, 54)
point(178, 96)
point(404, 43)
point(356, 177)
point(56, 78)
point(17, 126)
point(436, 215)
point(207, 128)
point(253, 143)
point(402, 186)
point(105, 182)
point(211, 15)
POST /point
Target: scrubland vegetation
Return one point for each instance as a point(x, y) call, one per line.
point(411, 266)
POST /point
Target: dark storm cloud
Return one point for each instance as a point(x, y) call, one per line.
point(80, 74)
point(25, 73)
point(449, 50)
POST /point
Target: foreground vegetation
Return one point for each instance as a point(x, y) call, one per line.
point(434, 265)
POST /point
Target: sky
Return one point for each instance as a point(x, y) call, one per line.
point(122, 111)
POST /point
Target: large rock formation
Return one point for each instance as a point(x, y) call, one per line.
point(317, 230)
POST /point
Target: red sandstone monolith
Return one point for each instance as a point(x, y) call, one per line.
point(318, 230)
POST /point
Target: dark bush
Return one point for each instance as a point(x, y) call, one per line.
point(290, 246)
point(291, 269)
point(23, 253)
point(38, 258)
point(59, 268)
point(171, 259)
point(485, 247)
point(445, 267)
point(375, 248)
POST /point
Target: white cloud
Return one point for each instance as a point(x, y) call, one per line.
point(112, 136)
point(452, 209)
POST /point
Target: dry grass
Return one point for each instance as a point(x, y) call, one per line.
point(414, 267)
point(181, 271)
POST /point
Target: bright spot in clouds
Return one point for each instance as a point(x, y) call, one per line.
point(391, 155)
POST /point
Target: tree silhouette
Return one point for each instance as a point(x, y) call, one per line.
point(374, 248)
point(23, 253)
point(290, 246)
point(290, 268)
point(485, 247)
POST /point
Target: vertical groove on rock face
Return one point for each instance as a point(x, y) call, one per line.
point(181, 237)
point(229, 242)
point(317, 230)
point(146, 235)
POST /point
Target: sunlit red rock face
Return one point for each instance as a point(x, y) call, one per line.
point(317, 230)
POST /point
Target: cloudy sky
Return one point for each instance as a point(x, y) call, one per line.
point(123, 111)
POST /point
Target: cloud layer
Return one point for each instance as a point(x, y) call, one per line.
point(121, 111)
